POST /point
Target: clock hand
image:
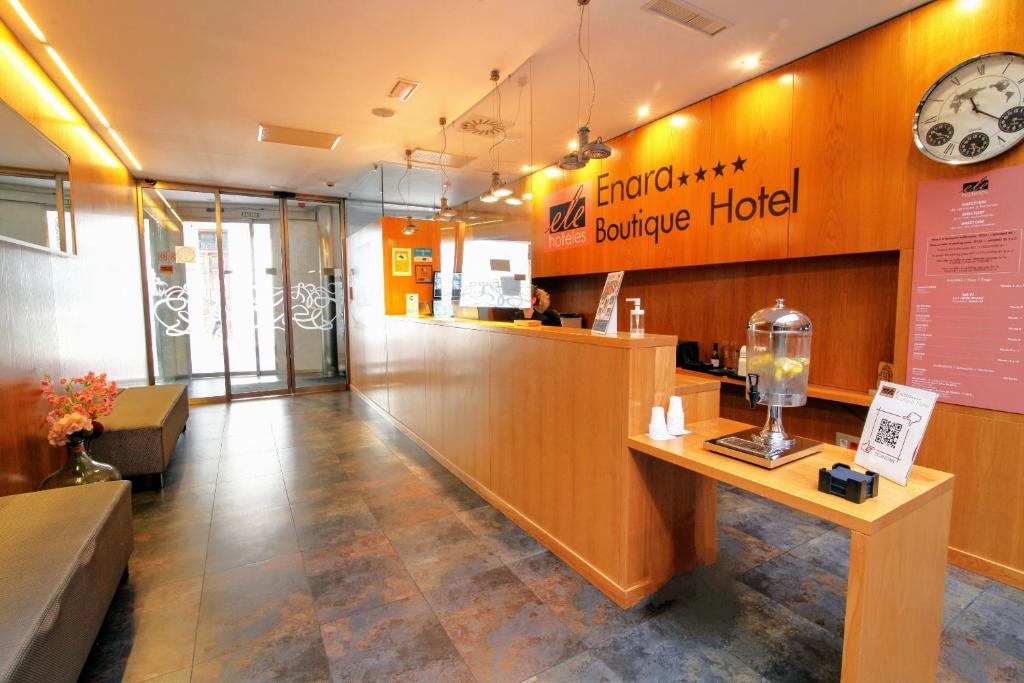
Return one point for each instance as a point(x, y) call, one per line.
point(974, 106)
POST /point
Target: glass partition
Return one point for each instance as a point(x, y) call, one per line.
point(316, 272)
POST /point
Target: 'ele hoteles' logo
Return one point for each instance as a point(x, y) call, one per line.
point(567, 224)
point(976, 185)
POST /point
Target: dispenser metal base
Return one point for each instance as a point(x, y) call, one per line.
point(745, 446)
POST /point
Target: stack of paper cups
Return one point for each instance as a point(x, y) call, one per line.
point(676, 421)
point(657, 430)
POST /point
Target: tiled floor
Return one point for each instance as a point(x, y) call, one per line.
point(305, 539)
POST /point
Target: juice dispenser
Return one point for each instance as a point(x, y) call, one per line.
point(778, 361)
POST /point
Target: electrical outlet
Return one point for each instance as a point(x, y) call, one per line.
point(847, 441)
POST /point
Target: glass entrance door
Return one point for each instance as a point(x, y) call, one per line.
point(254, 293)
point(183, 282)
point(246, 293)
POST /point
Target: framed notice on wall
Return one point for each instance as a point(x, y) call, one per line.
point(967, 298)
point(401, 262)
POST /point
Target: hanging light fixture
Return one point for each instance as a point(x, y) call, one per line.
point(497, 188)
point(410, 224)
point(444, 212)
point(585, 149)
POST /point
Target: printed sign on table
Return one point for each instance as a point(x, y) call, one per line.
point(967, 300)
point(892, 434)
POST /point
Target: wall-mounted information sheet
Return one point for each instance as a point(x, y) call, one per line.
point(967, 303)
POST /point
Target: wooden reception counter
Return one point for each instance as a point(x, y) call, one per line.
point(537, 421)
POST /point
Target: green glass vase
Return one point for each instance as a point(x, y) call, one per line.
point(80, 468)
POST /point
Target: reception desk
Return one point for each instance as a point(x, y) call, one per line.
point(537, 421)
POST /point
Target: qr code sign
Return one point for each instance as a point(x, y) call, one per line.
point(888, 434)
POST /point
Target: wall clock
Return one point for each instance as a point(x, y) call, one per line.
point(974, 112)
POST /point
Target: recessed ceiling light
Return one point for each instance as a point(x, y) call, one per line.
point(77, 86)
point(552, 171)
point(969, 5)
point(750, 61)
point(527, 196)
point(643, 111)
point(383, 112)
point(527, 168)
point(403, 89)
point(572, 144)
point(678, 120)
point(124, 148)
point(27, 18)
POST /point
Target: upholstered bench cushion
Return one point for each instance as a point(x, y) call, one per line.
point(62, 554)
point(143, 429)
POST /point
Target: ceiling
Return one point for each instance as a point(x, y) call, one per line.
point(186, 83)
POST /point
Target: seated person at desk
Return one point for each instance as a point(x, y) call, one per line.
point(541, 309)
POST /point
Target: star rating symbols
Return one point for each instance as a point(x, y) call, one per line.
point(719, 171)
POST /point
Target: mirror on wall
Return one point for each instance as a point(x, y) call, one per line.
point(35, 187)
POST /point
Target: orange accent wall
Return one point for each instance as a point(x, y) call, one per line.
point(428, 235)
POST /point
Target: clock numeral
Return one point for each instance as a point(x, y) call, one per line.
point(955, 80)
point(1001, 140)
point(1007, 65)
point(949, 149)
point(1020, 81)
point(931, 119)
point(981, 68)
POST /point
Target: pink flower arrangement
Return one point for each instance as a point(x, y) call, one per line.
point(74, 412)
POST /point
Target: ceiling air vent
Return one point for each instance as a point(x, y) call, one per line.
point(484, 126)
point(434, 158)
point(687, 15)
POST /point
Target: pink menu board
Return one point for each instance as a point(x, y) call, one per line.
point(967, 304)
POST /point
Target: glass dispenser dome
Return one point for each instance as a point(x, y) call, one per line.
point(779, 353)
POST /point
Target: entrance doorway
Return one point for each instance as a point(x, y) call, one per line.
point(245, 292)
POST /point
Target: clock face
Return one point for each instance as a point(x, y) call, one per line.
point(974, 112)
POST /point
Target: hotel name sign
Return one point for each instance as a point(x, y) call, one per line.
point(610, 211)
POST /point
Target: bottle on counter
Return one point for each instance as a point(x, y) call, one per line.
point(716, 360)
point(636, 319)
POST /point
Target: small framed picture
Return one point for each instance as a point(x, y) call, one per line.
point(424, 273)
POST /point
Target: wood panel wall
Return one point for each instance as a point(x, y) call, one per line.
point(63, 315)
point(852, 331)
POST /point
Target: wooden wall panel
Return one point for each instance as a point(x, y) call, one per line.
point(852, 331)
point(752, 121)
point(64, 315)
point(851, 117)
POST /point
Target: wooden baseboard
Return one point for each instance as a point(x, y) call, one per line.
point(623, 596)
point(985, 567)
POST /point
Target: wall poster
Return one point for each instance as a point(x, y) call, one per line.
point(967, 300)
point(401, 262)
